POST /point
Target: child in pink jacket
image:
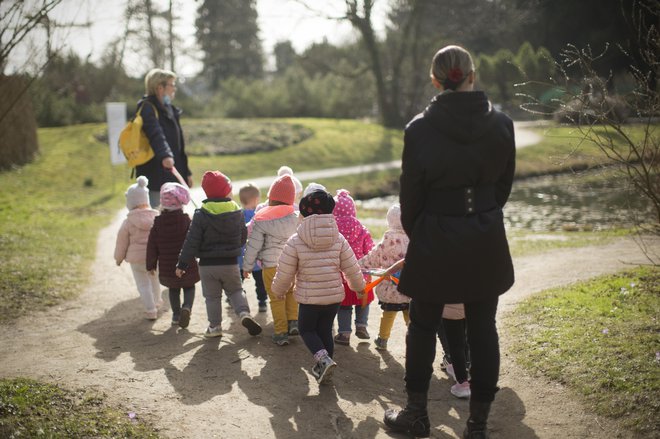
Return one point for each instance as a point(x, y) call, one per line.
point(360, 241)
point(131, 245)
point(390, 249)
point(315, 257)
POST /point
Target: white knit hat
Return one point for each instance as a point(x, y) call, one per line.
point(313, 187)
point(285, 170)
point(137, 193)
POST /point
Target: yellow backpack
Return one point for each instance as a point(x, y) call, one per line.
point(134, 143)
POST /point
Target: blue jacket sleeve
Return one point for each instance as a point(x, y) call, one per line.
point(154, 132)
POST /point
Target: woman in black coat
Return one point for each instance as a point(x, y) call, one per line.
point(163, 129)
point(457, 170)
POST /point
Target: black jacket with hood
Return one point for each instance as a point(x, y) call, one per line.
point(216, 235)
point(457, 171)
point(166, 139)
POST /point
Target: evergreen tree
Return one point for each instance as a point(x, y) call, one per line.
point(227, 33)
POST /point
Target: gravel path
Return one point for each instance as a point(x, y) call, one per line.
point(247, 387)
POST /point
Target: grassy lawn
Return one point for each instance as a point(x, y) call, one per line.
point(335, 143)
point(600, 338)
point(50, 213)
point(32, 409)
point(564, 148)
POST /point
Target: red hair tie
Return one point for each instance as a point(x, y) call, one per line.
point(455, 75)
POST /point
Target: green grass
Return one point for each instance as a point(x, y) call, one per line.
point(526, 243)
point(564, 148)
point(335, 143)
point(50, 213)
point(600, 338)
point(32, 409)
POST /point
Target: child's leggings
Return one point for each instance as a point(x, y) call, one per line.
point(175, 300)
point(344, 317)
point(315, 325)
point(258, 277)
point(147, 285)
point(456, 339)
point(387, 321)
point(283, 310)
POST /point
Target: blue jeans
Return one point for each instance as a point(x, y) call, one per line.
point(344, 317)
point(315, 326)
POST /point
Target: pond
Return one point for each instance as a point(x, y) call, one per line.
point(587, 201)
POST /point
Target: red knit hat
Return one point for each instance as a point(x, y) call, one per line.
point(216, 184)
point(283, 190)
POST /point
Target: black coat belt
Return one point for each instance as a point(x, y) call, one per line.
point(464, 201)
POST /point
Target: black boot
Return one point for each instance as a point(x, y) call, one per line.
point(413, 419)
point(476, 425)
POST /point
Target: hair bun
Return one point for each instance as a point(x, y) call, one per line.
point(142, 181)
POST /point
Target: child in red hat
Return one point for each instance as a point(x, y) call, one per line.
point(216, 236)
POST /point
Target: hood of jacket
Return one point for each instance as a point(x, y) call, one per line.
point(394, 218)
point(143, 219)
point(463, 116)
point(218, 207)
point(351, 228)
point(319, 232)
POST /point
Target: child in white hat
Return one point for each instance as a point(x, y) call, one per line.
point(131, 245)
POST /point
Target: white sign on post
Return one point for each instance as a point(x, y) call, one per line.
point(116, 115)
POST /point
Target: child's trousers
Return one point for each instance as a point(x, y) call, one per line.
point(175, 300)
point(215, 279)
point(283, 310)
point(387, 321)
point(315, 327)
point(147, 285)
point(344, 318)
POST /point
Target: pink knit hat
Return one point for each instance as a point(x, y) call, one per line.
point(173, 196)
point(282, 190)
point(344, 204)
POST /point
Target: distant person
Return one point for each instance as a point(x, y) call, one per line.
point(286, 170)
point(216, 236)
point(271, 228)
point(162, 128)
point(131, 245)
point(165, 242)
point(313, 260)
point(360, 240)
point(457, 170)
point(391, 248)
point(250, 196)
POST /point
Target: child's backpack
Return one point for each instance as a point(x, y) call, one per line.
point(134, 143)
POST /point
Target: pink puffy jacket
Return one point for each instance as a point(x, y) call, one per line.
point(315, 257)
point(133, 236)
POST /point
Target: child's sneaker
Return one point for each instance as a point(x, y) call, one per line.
point(151, 315)
point(325, 369)
point(343, 339)
point(281, 339)
point(461, 390)
point(449, 370)
point(381, 344)
point(250, 324)
point(213, 331)
point(263, 307)
point(184, 318)
point(361, 332)
point(293, 328)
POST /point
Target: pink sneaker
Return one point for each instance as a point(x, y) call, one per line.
point(151, 315)
point(461, 390)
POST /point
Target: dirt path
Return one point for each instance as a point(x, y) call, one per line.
point(247, 387)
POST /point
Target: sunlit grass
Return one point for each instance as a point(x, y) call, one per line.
point(600, 338)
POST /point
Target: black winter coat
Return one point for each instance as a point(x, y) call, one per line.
point(457, 171)
point(215, 238)
point(165, 241)
point(166, 139)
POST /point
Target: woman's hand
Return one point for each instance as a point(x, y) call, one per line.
point(179, 272)
point(168, 162)
point(246, 274)
point(189, 180)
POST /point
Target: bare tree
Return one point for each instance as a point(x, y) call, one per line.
point(597, 114)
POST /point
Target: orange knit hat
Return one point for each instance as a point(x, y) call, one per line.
point(283, 190)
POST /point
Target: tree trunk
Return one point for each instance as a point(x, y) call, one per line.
point(170, 29)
